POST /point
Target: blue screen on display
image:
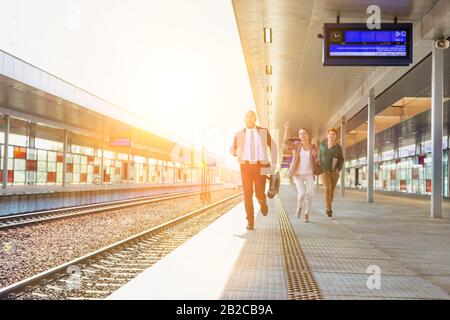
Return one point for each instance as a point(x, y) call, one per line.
point(354, 44)
point(371, 44)
point(375, 36)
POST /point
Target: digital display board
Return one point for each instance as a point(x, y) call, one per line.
point(352, 44)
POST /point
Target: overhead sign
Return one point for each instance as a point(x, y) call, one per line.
point(353, 44)
point(120, 142)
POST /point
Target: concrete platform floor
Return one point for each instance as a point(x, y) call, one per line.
point(225, 261)
point(394, 233)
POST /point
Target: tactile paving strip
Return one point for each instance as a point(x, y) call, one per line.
point(300, 280)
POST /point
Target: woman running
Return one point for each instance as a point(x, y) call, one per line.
point(302, 169)
point(331, 161)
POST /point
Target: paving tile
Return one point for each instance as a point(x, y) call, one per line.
point(391, 286)
point(409, 248)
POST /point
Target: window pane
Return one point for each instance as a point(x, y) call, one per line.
point(41, 177)
point(19, 164)
point(32, 154)
point(31, 177)
point(51, 156)
point(42, 166)
point(17, 140)
point(42, 155)
point(20, 152)
point(48, 144)
point(19, 176)
point(51, 166)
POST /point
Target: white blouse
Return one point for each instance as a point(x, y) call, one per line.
point(305, 163)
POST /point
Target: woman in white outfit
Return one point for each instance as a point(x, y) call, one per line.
point(302, 169)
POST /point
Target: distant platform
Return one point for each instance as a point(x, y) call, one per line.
point(24, 199)
point(38, 189)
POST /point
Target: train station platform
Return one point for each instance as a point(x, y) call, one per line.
point(286, 258)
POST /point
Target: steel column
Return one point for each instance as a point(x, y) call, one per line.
point(437, 86)
point(5, 152)
point(370, 144)
point(343, 130)
point(64, 182)
point(128, 166)
point(102, 163)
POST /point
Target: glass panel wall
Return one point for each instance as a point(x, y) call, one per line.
point(408, 174)
point(42, 164)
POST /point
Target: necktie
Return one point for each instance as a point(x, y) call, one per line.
point(252, 146)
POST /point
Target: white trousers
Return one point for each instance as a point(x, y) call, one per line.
point(305, 189)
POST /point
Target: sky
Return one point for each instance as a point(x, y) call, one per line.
point(177, 63)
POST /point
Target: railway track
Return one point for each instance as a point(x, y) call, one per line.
point(53, 214)
point(98, 274)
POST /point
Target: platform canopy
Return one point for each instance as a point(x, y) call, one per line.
point(299, 89)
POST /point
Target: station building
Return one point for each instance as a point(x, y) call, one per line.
point(402, 155)
point(48, 124)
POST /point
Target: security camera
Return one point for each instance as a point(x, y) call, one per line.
point(441, 44)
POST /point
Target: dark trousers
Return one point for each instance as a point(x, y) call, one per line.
point(251, 176)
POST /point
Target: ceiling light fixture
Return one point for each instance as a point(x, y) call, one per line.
point(269, 88)
point(267, 35)
point(268, 69)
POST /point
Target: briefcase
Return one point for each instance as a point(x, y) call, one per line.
point(274, 185)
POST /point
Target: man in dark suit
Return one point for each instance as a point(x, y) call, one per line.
point(250, 147)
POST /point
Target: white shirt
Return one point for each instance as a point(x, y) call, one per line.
point(305, 162)
point(259, 153)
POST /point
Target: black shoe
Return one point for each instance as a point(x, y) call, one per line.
point(329, 213)
point(250, 227)
point(264, 208)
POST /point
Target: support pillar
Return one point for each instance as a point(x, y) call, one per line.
point(317, 177)
point(102, 163)
point(163, 170)
point(5, 153)
point(175, 171)
point(437, 86)
point(65, 140)
point(128, 166)
point(370, 144)
point(31, 134)
point(147, 178)
point(343, 131)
